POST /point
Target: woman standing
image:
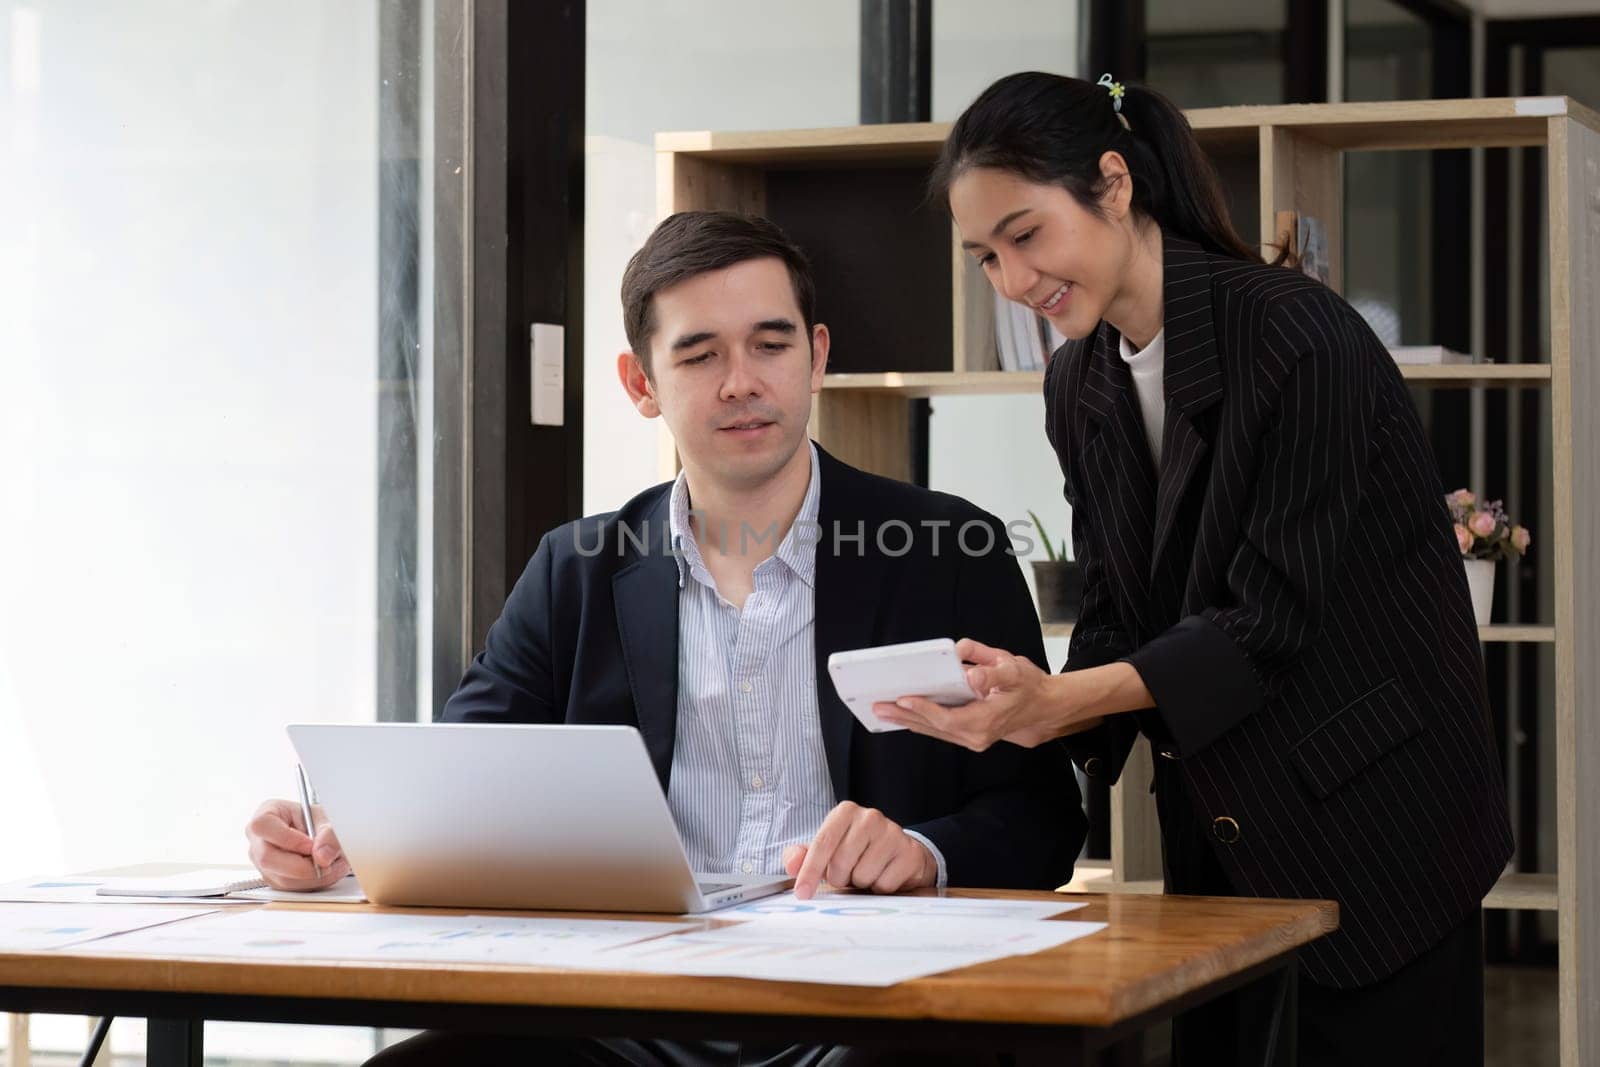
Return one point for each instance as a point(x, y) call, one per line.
point(1273, 594)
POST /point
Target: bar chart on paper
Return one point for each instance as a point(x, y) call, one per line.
point(273, 934)
point(831, 906)
point(850, 950)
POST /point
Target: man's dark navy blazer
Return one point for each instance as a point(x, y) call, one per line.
point(590, 635)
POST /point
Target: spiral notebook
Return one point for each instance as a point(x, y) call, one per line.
point(208, 882)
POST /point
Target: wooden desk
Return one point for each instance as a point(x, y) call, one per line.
point(1158, 956)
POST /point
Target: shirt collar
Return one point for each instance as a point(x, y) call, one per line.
point(1129, 355)
point(798, 553)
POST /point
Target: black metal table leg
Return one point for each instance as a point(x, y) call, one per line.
point(175, 1043)
point(96, 1040)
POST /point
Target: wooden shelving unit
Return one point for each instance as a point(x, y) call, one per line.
point(853, 198)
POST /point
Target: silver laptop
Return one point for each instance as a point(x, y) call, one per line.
point(500, 816)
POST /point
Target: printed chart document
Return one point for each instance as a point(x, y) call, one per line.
point(27, 927)
point(828, 906)
point(271, 934)
point(84, 889)
point(866, 951)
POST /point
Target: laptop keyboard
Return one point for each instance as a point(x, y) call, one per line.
point(717, 887)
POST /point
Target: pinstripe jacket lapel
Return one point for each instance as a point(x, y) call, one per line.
point(1118, 465)
point(1192, 380)
point(1118, 456)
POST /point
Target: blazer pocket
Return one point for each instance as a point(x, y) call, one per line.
point(1355, 736)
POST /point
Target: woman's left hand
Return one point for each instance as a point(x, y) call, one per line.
point(1017, 702)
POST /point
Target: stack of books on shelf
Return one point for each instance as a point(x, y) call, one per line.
point(1024, 339)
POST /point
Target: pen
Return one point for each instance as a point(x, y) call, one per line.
point(305, 812)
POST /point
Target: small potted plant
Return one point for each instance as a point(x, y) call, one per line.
point(1485, 536)
point(1057, 580)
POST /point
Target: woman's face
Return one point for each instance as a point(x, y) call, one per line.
point(1040, 247)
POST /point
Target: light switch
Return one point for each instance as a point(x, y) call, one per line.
point(547, 358)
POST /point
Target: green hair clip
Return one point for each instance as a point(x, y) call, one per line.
point(1117, 91)
point(1114, 88)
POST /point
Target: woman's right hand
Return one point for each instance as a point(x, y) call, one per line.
point(283, 853)
point(1017, 702)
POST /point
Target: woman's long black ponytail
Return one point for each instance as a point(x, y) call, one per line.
point(1052, 129)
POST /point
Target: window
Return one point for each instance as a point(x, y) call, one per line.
point(215, 335)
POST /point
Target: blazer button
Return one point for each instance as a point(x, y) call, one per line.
point(1091, 766)
point(1167, 753)
point(1225, 829)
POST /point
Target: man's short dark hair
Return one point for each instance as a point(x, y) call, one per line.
point(691, 243)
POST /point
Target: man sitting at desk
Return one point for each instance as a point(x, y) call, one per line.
point(703, 612)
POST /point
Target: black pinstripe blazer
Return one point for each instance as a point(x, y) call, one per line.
point(1289, 588)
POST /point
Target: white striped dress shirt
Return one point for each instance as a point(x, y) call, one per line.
point(749, 770)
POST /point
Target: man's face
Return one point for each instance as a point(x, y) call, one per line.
point(733, 371)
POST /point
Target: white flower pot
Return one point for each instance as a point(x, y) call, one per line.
point(1480, 579)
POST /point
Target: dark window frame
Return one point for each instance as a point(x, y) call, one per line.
point(508, 210)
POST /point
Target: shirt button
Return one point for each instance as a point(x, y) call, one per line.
point(747, 867)
point(745, 687)
point(757, 782)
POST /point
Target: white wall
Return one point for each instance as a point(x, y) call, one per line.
point(688, 65)
point(188, 275)
point(976, 43)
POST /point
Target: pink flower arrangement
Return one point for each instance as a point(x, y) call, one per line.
point(1482, 529)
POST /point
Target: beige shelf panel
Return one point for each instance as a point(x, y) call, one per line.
point(941, 383)
point(1502, 122)
point(1094, 876)
point(1407, 124)
point(1497, 633)
point(1001, 383)
point(1484, 374)
point(1572, 176)
point(1523, 892)
point(1498, 122)
point(1544, 635)
point(1513, 892)
point(889, 142)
